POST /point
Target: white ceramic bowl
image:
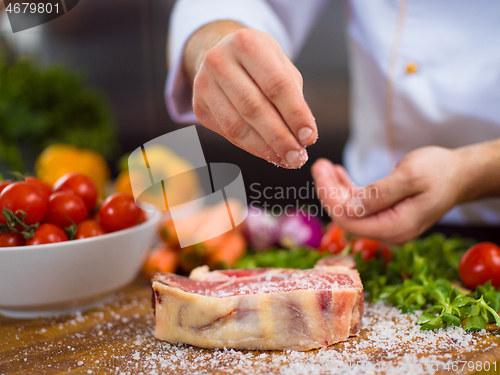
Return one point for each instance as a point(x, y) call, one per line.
point(54, 279)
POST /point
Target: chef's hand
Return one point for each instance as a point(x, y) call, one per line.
point(424, 185)
point(246, 89)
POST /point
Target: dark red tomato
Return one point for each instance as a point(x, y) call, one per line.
point(11, 239)
point(89, 228)
point(65, 208)
point(46, 189)
point(4, 184)
point(333, 239)
point(119, 211)
point(47, 233)
point(80, 185)
point(142, 217)
point(370, 248)
point(24, 196)
point(479, 264)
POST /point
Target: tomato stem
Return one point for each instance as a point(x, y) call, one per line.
point(17, 176)
point(71, 230)
point(13, 220)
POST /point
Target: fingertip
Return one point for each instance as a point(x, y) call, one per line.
point(307, 135)
point(324, 163)
point(322, 167)
point(295, 159)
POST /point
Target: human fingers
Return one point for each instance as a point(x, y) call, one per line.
point(215, 112)
point(335, 190)
point(394, 225)
point(278, 79)
point(386, 192)
point(258, 113)
point(332, 192)
point(220, 67)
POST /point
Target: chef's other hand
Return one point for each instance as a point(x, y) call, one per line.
point(425, 184)
point(246, 89)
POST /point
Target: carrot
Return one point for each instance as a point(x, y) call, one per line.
point(217, 221)
point(226, 255)
point(184, 227)
point(215, 243)
point(161, 259)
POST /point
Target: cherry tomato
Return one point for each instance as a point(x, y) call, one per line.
point(142, 217)
point(119, 211)
point(46, 189)
point(370, 248)
point(24, 196)
point(80, 185)
point(65, 208)
point(479, 264)
point(89, 228)
point(10, 239)
point(4, 184)
point(47, 233)
point(333, 240)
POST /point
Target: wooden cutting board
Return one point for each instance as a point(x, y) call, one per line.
point(118, 338)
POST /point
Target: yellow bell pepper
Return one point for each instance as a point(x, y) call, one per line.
point(59, 159)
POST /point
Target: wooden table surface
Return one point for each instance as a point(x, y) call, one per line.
point(118, 338)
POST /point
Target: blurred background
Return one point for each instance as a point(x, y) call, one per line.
point(109, 56)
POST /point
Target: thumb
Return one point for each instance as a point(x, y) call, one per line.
point(384, 193)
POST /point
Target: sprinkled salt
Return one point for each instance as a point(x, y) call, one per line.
point(390, 342)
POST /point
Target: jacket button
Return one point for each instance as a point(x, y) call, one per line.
point(411, 68)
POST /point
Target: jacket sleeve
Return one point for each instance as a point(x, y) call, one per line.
point(287, 21)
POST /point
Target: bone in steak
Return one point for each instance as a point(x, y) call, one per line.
point(262, 309)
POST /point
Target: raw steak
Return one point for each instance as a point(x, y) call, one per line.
point(263, 309)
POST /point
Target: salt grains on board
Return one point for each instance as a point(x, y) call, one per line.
point(391, 343)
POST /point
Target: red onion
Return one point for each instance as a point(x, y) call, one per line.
point(298, 229)
point(261, 228)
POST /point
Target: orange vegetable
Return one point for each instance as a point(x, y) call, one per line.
point(122, 183)
point(161, 259)
point(216, 221)
point(58, 159)
point(213, 244)
point(230, 251)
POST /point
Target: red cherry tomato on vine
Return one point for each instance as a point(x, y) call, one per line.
point(89, 228)
point(333, 239)
point(46, 189)
point(142, 217)
point(119, 211)
point(47, 233)
point(24, 196)
point(4, 184)
point(65, 208)
point(370, 248)
point(480, 264)
point(80, 185)
point(11, 239)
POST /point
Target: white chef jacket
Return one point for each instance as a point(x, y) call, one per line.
point(423, 72)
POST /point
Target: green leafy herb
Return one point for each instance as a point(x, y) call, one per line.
point(418, 278)
point(42, 105)
point(301, 258)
